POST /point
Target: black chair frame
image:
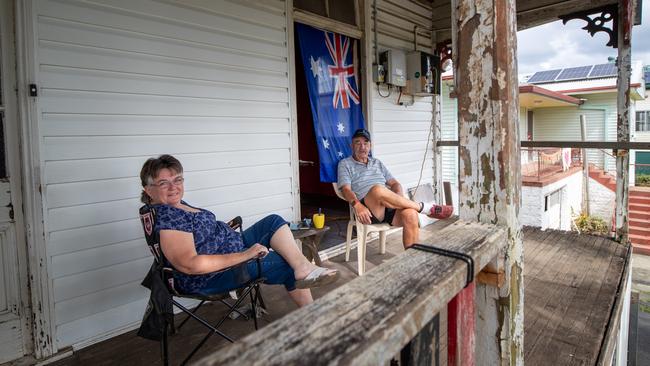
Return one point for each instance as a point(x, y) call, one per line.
point(249, 288)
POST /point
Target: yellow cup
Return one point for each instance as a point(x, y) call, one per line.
point(318, 220)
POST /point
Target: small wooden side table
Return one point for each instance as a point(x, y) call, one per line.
point(310, 239)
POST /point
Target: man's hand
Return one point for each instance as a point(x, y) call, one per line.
point(363, 213)
point(257, 251)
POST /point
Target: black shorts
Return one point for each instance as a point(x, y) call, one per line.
point(389, 214)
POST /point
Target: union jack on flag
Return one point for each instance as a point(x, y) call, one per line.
point(328, 63)
point(338, 47)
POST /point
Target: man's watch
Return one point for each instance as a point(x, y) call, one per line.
point(354, 202)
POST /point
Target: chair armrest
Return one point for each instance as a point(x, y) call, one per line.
point(236, 223)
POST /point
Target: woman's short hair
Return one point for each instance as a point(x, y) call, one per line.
point(152, 168)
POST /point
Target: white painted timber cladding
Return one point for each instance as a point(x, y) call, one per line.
point(607, 101)
point(563, 124)
point(400, 133)
point(641, 136)
point(123, 80)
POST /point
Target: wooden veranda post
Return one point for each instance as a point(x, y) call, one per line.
point(485, 73)
point(625, 21)
point(585, 166)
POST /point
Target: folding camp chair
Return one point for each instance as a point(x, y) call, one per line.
point(248, 288)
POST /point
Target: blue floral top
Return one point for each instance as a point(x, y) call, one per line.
point(210, 237)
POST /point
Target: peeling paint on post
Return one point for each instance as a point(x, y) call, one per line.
point(485, 72)
point(625, 21)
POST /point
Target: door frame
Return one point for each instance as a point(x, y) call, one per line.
point(363, 14)
point(12, 128)
point(42, 327)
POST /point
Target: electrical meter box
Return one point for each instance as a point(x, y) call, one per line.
point(394, 62)
point(423, 73)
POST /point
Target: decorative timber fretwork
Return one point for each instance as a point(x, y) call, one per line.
point(444, 50)
point(597, 21)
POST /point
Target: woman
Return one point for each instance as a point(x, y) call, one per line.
point(197, 245)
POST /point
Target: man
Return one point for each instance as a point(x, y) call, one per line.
point(376, 196)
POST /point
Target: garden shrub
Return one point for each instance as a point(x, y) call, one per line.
point(642, 180)
point(591, 225)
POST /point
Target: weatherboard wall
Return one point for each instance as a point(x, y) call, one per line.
point(121, 81)
point(563, 124)
point(607, 103)
point(401, 133)
point(642, 136)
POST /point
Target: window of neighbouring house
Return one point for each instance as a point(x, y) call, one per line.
point(643, 121)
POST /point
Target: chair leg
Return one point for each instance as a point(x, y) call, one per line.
point(164, 347)
point(348, 241)
point(188, 317)
point(233, 310)
point(361, 249)
point(382, 242)
point(253, 296)
point(213, 330)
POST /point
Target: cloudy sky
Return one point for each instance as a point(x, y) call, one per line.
point(556, 46)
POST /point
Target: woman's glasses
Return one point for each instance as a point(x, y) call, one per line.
point(166, 184)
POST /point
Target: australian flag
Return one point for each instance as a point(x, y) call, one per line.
point(333, 93)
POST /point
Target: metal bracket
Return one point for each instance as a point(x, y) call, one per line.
point(597, 20)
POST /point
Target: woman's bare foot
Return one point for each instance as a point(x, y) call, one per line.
point(310, 275)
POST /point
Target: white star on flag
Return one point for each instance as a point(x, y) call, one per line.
point(326, 143)
point(315, 66)
point(340, 154)
point(340, 127)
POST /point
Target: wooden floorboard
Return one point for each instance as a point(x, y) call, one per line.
point(571, 287)
point(554, 336)
point(544, 286)
point(570, 282)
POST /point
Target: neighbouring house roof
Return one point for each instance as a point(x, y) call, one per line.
point(533, 96)
point(590, 79)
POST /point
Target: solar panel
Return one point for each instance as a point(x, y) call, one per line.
point(573, 73)
point(603, 70)
point(544, 76)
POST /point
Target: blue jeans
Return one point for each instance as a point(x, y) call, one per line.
point(274, 268)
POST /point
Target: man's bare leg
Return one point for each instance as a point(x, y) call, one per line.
point(408, 220)
point(379, 197)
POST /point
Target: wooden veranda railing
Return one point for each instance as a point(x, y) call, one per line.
point(370, 319)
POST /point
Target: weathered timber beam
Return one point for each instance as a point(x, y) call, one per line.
point(485, 81)
point(368, 320)
point(622, 145)
point(528, 17)
point(529, 14)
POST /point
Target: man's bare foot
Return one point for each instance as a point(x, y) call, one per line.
point(437, 211)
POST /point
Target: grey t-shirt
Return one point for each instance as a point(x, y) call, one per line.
point(361, 177)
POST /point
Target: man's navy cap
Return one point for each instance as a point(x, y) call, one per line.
point(361, 132)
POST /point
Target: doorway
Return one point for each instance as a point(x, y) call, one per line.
point(14, 297)
point(553, 208)
point(314, 194)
